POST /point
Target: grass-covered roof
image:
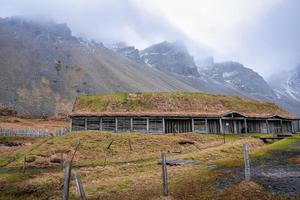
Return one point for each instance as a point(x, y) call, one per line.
point(178, 103)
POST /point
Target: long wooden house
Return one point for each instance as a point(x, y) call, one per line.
point(178, 113)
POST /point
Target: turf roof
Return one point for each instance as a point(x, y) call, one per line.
point(176, 104)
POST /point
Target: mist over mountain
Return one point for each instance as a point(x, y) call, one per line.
point(287, 89)
point(44, 67)
point(229, 78)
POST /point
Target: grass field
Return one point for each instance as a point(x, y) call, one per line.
point(132, 170)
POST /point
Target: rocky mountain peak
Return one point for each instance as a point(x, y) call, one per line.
point(170, 57)
point(240, 78)
point(128, 51)
point(38, 28)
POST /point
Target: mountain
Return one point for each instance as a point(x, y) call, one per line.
point(287, 88)
point(227, 78)
point(128, 51)
point(240, 78)
point(170, 57)
point(43, 68)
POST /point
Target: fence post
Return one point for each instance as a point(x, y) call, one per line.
point(106, 152)
point(247, 162)
point(164, 174)
point(79, 187)
point(67, 177)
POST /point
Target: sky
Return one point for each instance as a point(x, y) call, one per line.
point(261, 34)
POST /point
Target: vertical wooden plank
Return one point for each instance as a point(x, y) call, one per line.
point(164, 128)
point(164, 174)
point(206, 126)
point(67, 177)
point(234, 126)
point(116, 124)
point(221, 125)
point(268, 129)
point(131, 124)
point(85, 123)
point(245, 124)
point(281, 125)
point(100, 124)
point(79, 187)
point(148, 125)
point(247, 162)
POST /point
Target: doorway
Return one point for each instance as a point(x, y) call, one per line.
point(178, 125)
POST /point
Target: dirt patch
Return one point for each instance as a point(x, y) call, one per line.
point(277, 175)
point(12, 122)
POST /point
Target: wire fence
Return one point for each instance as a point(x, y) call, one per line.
point(28, 132)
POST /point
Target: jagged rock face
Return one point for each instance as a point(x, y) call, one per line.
point(292, 85)
point(43, 68)
point(170, 57)
point(287, 89)
point(128, 51)
point(240, 78)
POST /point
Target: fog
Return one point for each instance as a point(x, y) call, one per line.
point(261, 34)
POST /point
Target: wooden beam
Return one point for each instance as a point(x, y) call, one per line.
point(221, 125)
point(100, 124)
point(234, 126)
point(193, 126)
point(206, 126)
point(246, 127)
point(85, 123)
point(116, 124)
point(147, 124)
point(131, 124)
point(164, 129)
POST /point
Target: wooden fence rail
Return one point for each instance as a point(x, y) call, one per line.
point(27, 132)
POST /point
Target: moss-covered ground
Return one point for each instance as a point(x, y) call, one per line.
point(129, 169)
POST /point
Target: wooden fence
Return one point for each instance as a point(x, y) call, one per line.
point(27, 132)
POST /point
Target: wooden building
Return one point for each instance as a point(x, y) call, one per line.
point(116, 115)
point(231, 122)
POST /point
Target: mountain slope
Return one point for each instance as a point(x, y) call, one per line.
point(241, 79)
point(43, 68)
point(287, 89)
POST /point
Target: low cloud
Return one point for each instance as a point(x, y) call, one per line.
point(261, 34)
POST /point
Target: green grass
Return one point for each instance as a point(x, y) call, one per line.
point(284, 144)
point(173, 102)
